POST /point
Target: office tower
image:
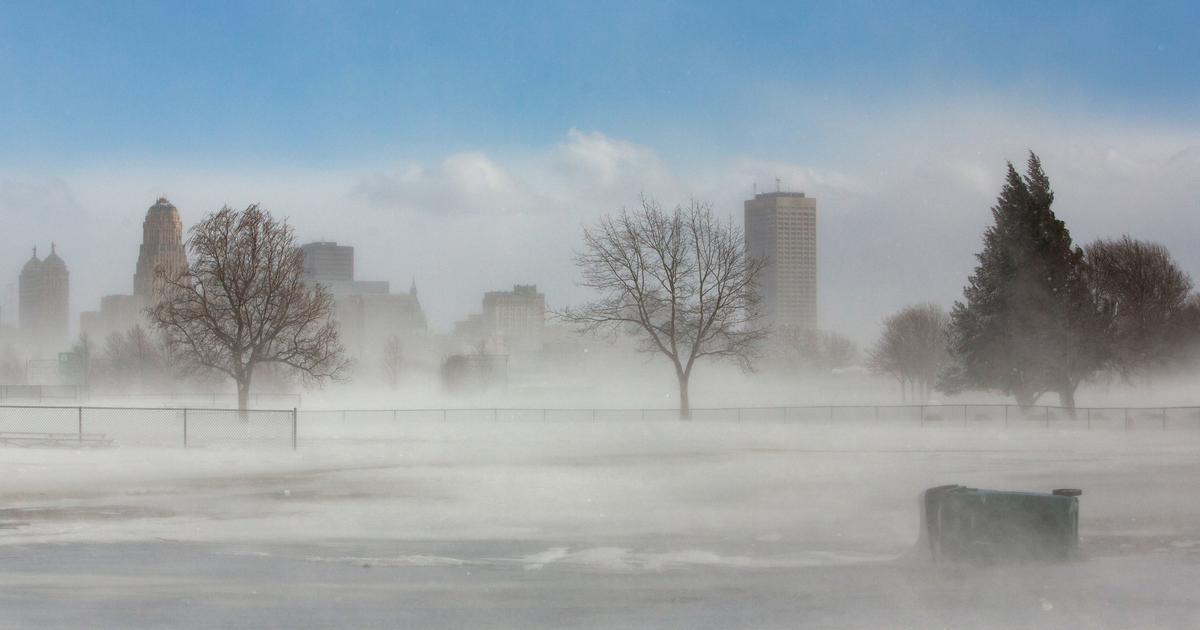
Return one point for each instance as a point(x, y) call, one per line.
point(781, 227)
point(512, 320)
point(328, 263)
point(366, 311)
point(162, 248)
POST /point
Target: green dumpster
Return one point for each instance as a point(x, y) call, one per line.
point(977, 525)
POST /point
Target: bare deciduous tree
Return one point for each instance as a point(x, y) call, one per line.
point(1147, 296)
point(913, 348)
point(679, 281)
point(242, 303)
point(135, 358)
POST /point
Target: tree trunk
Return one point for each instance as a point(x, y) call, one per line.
point(243, 387)
point(1025, 398)
point(1066, 398)
point(685, 407)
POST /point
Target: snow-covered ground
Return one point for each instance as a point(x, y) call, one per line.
point(624, 524)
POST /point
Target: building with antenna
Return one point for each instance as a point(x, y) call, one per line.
point(781, 227)
point(44, 289)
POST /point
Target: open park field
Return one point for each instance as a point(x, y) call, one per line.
point(593, 525)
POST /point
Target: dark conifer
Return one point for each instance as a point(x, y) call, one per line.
point(1029, 324)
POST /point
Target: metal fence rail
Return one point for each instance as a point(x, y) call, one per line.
point(199, 427)
point(387, 423)
point(155, 426)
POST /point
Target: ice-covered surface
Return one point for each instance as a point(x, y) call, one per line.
point(528, 524)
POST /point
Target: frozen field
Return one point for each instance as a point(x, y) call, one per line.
point(613, 525)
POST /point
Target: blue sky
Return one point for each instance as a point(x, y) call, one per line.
point(466, 144)
point(315, 82)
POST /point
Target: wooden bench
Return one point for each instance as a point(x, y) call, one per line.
point(70, 440)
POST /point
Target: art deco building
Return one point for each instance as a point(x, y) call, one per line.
point(44, 302)
point(162, 248)
point(781, 227)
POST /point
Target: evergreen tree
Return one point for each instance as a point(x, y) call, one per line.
point(1030, 325)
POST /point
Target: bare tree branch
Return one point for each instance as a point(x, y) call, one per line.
point(242, 302)
point(680, 282)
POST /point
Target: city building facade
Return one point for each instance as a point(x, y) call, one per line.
point(161, 249)
point(328, 263)
point(510, 321)
point(44, 290)
point(781, 228)
point(366, 311)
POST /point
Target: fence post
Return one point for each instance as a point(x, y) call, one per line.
point(495, 415)
point(964, 415)
point(1089, 418)
point(1005, 415)
point(185, 428)
point(1047, 409)
point(443, 415)
point(294, 427)
point(830, 414)
point(1127, 419)
point(922, 415)
point(1164, 418)
point(543, 414)
point(594, 414)
point(81, 426)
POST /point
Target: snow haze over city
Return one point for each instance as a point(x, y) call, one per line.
point(599, 315)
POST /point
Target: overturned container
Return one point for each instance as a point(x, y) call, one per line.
point(976, 525)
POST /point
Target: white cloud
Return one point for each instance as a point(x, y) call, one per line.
point(462, 182)
point(597, 169)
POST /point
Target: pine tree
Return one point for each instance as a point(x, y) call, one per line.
point(1030, 325)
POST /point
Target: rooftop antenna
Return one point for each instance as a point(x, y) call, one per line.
point(778, 185)
point(755, 188)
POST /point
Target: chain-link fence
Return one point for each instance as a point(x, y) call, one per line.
point(366, 424)
point(202, 427)
point(139, 426)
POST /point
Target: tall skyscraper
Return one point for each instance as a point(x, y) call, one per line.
point(781, 227)
point(45, 300)
point(162, 248)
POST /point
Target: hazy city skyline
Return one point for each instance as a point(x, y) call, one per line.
point(473, 176)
